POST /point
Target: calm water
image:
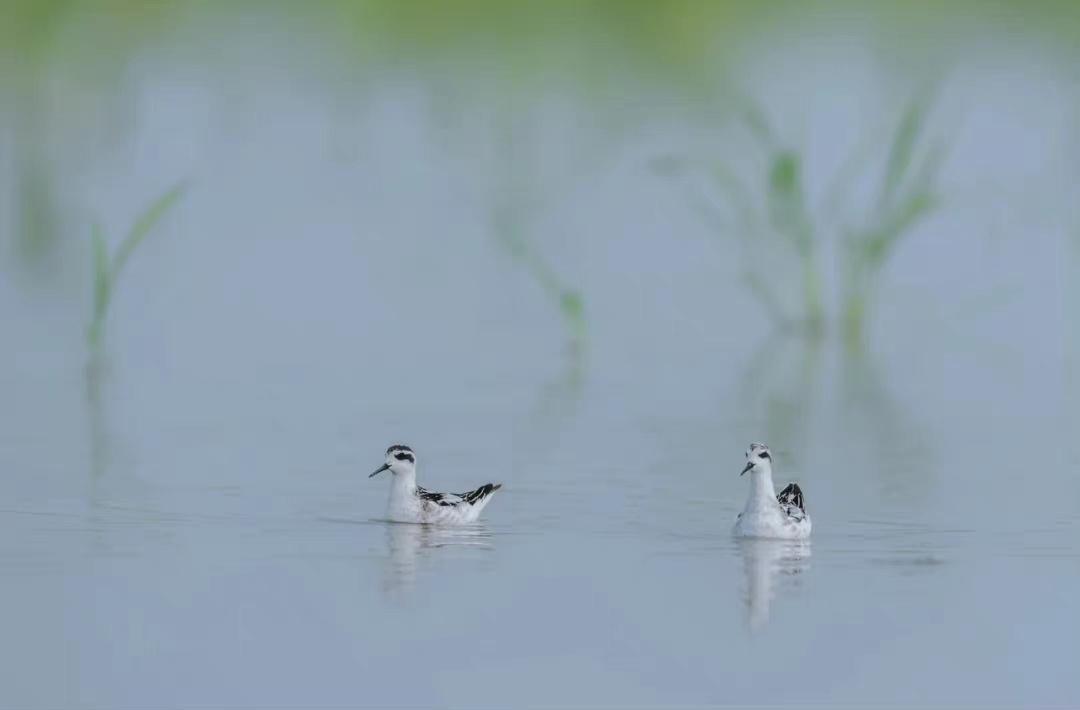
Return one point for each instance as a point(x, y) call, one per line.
point(186, 519)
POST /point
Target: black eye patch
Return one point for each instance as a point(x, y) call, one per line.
point(402, 456)
point(765, 455)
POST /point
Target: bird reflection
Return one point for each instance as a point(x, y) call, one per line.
point(767, 563)
point(408, 544)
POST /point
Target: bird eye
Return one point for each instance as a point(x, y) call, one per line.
point(402, 456)
point(765, 455)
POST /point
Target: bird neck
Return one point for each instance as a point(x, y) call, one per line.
point(762, 493)
point(404, 482)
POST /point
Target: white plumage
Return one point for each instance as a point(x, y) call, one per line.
point(767, 514)
point(409, 503)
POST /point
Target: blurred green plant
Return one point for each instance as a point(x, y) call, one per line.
point(779, 219)
point(908, 193)
point(569, 301)
point(789, 217)
point(516, 191)
point(771, 211)
point(107, 270)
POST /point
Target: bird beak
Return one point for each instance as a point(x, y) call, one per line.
point(749, 465)
point(379, 470)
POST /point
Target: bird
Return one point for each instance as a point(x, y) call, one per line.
point(767, 514)
point(409, 503)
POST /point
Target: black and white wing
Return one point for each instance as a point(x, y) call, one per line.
point(791, 501)
point(455, 499)
point(443, 499)
point(475, 496)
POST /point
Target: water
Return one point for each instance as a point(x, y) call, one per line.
point(186, 518)
point(233, 555)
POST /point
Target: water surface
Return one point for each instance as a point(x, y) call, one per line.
point(186, 518)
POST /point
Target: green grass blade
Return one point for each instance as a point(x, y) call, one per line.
point(926, 175)
point(101, 269)
point(508, 234)
point(898, 223)
point(511, 236)
point(758, 286)
point(144, 225)
point(901, 154)
point(787, 200)
point(571, 304)
point(712, 215)
point(102, 284)
point(755, 119)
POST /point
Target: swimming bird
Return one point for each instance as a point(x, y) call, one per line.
point(767, 514)
point(409, 503)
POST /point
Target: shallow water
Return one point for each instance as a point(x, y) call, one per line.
point(604, 573)
point(186, 519)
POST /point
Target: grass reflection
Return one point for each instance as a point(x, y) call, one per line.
point(800, 391)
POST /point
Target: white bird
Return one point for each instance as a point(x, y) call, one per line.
point(767, 514)
point(409, 503)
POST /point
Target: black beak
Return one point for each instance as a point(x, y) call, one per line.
point(379, 470)
point(749, 465)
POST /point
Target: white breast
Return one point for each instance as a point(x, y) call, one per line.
point(772, 524)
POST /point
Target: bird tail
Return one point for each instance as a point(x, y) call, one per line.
point(480, 497)
point(791, 495)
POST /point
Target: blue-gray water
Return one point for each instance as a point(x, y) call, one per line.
point(186, 518)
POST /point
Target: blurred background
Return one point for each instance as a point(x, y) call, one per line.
point(588, 249)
